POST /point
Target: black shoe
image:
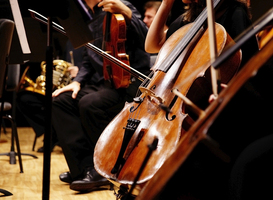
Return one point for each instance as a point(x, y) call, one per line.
point(41, 149)
point(92, 180)
point(66, 177)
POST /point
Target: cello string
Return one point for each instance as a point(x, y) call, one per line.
point(144, 83)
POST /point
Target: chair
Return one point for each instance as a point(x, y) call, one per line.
point(10, 75)
point(13, 75)
point(6, 31)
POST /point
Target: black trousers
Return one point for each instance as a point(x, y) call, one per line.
point(79, 122)
point(32, 106)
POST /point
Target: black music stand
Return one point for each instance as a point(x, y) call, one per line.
point(5, 192)
point(77, 22)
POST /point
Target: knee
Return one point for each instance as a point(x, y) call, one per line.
point(55, 101)
point(85, 105)
point(62, 100)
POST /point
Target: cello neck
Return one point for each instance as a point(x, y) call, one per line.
point(185, 41)
point(106, 33)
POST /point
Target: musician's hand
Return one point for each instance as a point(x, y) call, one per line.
point(116, 7)
point(73, 71)
point(74, 87)
point(212, 97)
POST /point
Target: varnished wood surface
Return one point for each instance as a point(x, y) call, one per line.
point(29, 184)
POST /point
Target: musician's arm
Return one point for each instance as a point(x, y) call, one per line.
point(133, 18)
point(85, 72)
point(116, 7)
point(156, 34)
point(82, 77)
point(137, 29)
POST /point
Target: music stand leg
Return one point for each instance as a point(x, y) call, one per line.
point(12, 154)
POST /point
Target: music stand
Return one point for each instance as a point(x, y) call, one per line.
point(77, 22)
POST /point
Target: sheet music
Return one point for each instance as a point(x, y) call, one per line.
point(20, 26)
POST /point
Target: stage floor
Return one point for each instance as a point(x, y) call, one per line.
point(29, 184)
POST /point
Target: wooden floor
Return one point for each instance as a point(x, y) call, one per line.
point(29, 184)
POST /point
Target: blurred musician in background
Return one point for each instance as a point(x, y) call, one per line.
point(150, 9)
point(32, 103)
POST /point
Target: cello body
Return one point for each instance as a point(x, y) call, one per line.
point(153, 121)
point(199, 132)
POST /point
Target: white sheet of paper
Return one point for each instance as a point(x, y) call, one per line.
point(19, 26)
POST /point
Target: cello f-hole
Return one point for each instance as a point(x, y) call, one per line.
point(170, 107)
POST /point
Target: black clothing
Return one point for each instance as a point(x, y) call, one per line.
point(135, 37)
point(32, 105)
point(77, 54)
point(79, 122)
point(236, 21)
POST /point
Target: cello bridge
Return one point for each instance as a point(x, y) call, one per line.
point(151, 94)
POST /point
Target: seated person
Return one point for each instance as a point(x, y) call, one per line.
point(82, 109)
point(32, 105)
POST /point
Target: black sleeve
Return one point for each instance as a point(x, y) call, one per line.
point(137, 27)
point(86, 71)
point(236, 22)
point(175, 25)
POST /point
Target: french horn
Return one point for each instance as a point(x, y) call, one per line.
point(60, 78)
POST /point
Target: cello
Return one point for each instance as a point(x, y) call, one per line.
point(198, 132)
point(157, 112)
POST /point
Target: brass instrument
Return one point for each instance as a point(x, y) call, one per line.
point(61, 77)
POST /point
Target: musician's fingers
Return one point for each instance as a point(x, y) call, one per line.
point(56, 92)
point(74, 94)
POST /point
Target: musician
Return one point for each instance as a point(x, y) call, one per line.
point(32, 105)
point(150, 9)
point(82, 109)
point(234, 15)
point(204, 175)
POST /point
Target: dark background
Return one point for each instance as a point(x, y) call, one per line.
point(36, 32)
point(37, 35)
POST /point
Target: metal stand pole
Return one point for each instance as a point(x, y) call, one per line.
point(48, 104)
